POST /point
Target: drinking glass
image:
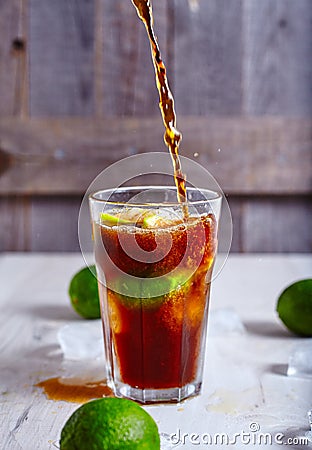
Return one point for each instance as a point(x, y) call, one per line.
point(154, 259)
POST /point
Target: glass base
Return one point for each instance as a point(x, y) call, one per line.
point(145, 396)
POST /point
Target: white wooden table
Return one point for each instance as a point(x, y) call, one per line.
point(245, 389)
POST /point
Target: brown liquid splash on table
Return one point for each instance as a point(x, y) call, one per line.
point(172, 136)
point(57, 390)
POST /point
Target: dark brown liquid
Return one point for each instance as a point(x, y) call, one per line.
point(54, 389)
point(172, 136)
point(158, 340)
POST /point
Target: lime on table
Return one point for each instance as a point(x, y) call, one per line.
point(84, 295)
point(294, 307)
point(110, 424)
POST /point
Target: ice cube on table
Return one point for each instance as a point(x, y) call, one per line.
point(309, 433)
point(81, 340)
point(225, 320)
point(166, 443)
point(300, 360)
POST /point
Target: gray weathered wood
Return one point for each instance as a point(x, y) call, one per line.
point(271, 224)
point(14, 221)
point(53, 224)
point(98, 57)
point(13, 46)
point(207, 57)
point(279, 225)
point(61, 57)
point(39, 223)
point(236, 207)
point(254, 155)
point(277, 61)
point(129, 81)
point(92, 58)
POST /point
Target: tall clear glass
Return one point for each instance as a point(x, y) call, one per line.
point(154, 262)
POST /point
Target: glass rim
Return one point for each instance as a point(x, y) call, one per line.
point(214, 196)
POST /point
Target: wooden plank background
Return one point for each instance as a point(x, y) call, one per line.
point(77, 92)
point(208, 52)
point(61, 72)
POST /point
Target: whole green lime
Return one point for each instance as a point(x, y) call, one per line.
point(84, 295)
point(294, 307)
point(110, 424)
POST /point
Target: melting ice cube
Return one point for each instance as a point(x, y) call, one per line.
point(166, 442)
point(309, 433)
point(300, 360)
point(225, 320)
point(82, 340)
